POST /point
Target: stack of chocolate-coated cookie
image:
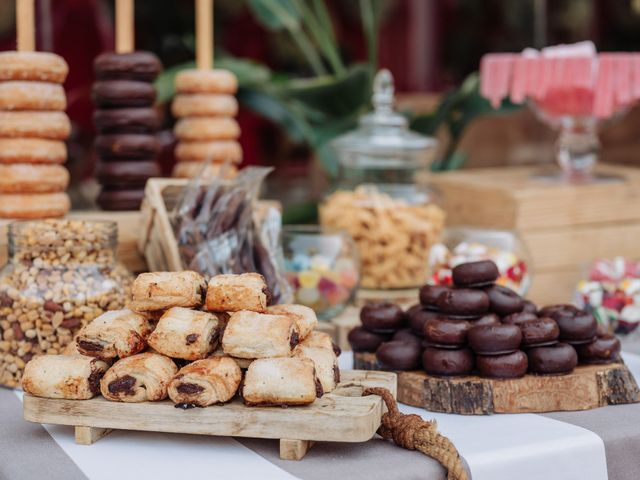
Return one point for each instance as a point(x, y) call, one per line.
point(127, 123)
point(206, 130)
point(479, 326)
point(33, 128)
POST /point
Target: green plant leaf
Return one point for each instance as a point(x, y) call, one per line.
point(276, 15)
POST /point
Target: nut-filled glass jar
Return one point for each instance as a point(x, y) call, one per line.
point(60, 275)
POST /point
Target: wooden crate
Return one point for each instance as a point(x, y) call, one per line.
point(564, 226)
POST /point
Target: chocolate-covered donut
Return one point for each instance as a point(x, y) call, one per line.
point(530, 307)
point(445, 333)
point(362, 340)
point(559, 311)
point(382, 317)
point(447, 362)
point(504, 301)
point(407, 335)
point(518, 318)
point(126, 120)
point(510, 365)
point(487, 319)
point(429, 295)
point(552, 360)
point(123, 93)
point(494, 339)
point(582, 328)
point(604, 349)
point(141, 66)
point(539, 332)
point(120, 199)
point(126, 174)
point(399, 355)
point(475, 274)
point(463, 302)
point(418, 316)
point(127, 146)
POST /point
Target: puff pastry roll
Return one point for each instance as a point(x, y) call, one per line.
point(322, 340)
point(157, 291)
point(304, 317)
point(258, 335)
point(141, 378)
point(205, 382)
point(281, 381)
point(232, 293)
point(243, 363)
point(326, 364)
point(74, 377)
point(186, 334)
point(118, 333)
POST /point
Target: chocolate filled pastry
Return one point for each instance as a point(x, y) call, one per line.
point(475, 274)
point(362, 340)
point(127, 146)
point(304, 317)
point(539, 332)
point(74, 377)
point(326, 363)
point(159, 291)
point(504, 301)
point(243, 363)
point(604, 349)
point(206, 382)
point(186, 334)
point(446, 362)
point(519, 318)
point(494, 339)
point(429, 295)
point(382, 317)
point(321, 340)
point(126, 120)
point(488, 319)
point(399, 355)
point(407, 335)
point(232, 293)
point(127, 174)
point(510, 365)
point(445, 333)
point(140, 378)
point(576, 326)
point(418, 316)
point(118, 333)
point(280, 382)
point(463, 302)
point(556, 359)
point(258, 335)
point(140, 66)
point(123, 93)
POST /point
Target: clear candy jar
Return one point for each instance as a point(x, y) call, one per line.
point(60, 275)
point(393, 220)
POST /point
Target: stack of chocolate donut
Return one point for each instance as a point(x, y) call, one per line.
point(478, 326)
point(206, 130)
point(127, 122)
point(33, 128)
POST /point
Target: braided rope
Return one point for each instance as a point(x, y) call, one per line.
point(414, 433)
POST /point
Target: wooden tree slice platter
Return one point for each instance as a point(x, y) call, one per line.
point(587, 387)
point(340, 416)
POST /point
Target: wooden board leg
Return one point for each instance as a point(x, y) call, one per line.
point(294, 449)
point(90, 435)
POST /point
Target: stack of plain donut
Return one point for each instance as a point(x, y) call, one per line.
point(479, 326)
point(127, 123)
point(206, 130)
point(33, 128)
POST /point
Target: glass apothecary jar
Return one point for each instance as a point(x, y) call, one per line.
point(393, 220)
point(60, 275)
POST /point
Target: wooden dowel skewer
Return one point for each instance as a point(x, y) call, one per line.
point(25, 25)
point(124, 26)
point(204, 34)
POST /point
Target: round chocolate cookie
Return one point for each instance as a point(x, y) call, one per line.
point(126, 120)
point(126, 174)
point(604, 349)
point(407, 335)
point(127, 146)
point(110, 199)
point(447, 362)
point(556, 359)
point(530, 307)
point(418, 316)
point(445, 333)
point(539, 332)
point(399, 355)
point(463, 302)
point(123, 93)
point(488, 319)
point(504, 301)
point(362, 340)
point(518, 318)
point(382, 317)
point(475, 274)
point(141, 66)
point(510, 365)
point(429, 295)
point(494, 339)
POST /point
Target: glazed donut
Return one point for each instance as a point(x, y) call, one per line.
point(140, 65)
point(504, 301)
point(204, 105)
point(120, 199)
point(20, 95)
point(219, 151)
point(475, 274)
point(32, 150)
point(36, 66)
point(126, 120)
point(362, 340)
point(192, 169)
point(494, 339)
point(510, 365)
point(30, 178)
point(557, 359)
point(206, 128)
point(123, 93)
point(463, 302)
point(127, 146)
point(429, 295)
point(445, 333)
point(382, 317)
point(47, 125)
point(604, 349)
point(33, 206)
point(539, 332)
point(447, 363)
point(399, 355)
point(206, 81)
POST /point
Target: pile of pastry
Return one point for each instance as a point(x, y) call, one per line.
point(197, 343)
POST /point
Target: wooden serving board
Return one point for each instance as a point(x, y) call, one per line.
point(340, 416)
point(587, 387)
